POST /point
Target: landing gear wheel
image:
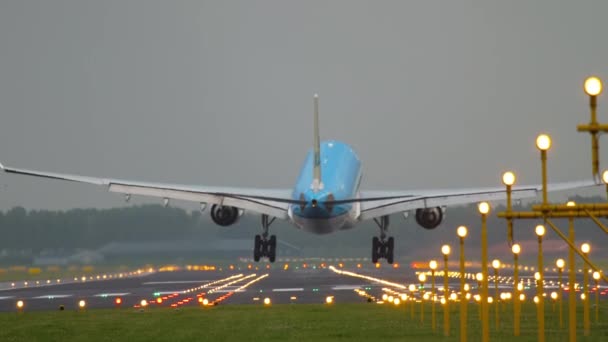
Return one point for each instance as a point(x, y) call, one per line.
point(272, 248)
point(389, 250)
point(257, 248)
point(375, 245)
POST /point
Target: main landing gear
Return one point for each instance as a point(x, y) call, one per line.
point(264, 246)
point(382, 248)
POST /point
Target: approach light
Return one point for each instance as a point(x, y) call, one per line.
point(412, 288)
point(82, 304)
point(522, 297)
point(571, 204)
point(143, 303)
point(540, 230)
point(397, 301)
point(433, 265)
point(496, 264)
point(206, 301)
point(118, 301)
point(20, 304)
point(445, 250)
point(329, 299)
point(605, 176)
point(484, 208)
point(560, 263)
point(516, 248)
point(266, 301)
point(593, 86)
point(159, 300)
point(479, 276)
point(508, 178)
point(554, 295)
point(537, 275)
point(596, 275)
point(467, 287)
point(536, 300)
point(422, 277)
point(453, 296)
point(585, 248)
point(543, 142)
point(461, 231)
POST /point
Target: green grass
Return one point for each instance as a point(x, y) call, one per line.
point(291, 322)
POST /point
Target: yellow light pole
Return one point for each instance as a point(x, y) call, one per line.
point(445, 250)
point(479, 278)
point(433, 267)
point(571, 278)
point(412, 289)
point(543, 143)
point(540, 232)
point(496, 266)
point(484, 209)
point(516, 249)
point(596, 277)
point(462, 233)
point(605, 181)
point(586, 248)
point(422, 279)
point(593, 88)
point(508, 179)
point(560, 263)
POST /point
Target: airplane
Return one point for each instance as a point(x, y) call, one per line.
point(326, 198)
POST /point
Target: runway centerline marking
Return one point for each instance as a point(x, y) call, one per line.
point(295, 289)
point(346, 287)
point(176, 282)
point(53, 296)
point(112, 294)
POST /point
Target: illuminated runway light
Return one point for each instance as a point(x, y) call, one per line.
point(82, 304)
point(159, 300)
point(205, 301)
point(329, 299)
point(20, 304)
point(118, 301)
point(143, 303)
point(266, 301)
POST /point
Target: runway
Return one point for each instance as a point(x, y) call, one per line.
point(182, 287)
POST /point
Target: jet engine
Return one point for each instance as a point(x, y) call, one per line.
point(429, 218)
point(224, 215)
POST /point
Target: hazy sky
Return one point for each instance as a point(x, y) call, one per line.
point(431, 94)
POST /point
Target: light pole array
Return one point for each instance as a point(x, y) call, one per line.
point(462, 233)
point(445, 250)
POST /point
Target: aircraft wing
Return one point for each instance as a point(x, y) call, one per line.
point(380, 203)
point(272, 202)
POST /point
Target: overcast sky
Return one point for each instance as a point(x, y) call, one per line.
point(431, 94)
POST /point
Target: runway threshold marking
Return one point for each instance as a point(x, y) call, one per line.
point(295, 289)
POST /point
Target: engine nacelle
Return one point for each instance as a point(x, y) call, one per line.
point(224, 215)
point(429, 218)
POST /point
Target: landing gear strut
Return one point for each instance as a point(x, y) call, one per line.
point(382, 248)
point(263, 245)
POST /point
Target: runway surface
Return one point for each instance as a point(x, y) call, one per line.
point(181, 287)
